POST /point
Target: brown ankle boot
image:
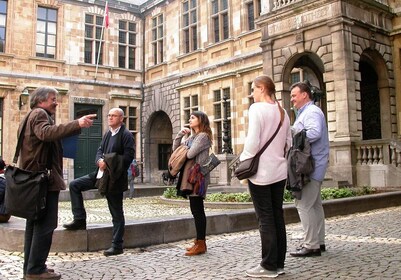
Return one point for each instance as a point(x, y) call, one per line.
point(197, 249)
point(190, 248)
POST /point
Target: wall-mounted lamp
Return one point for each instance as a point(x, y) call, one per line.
point(23, 98)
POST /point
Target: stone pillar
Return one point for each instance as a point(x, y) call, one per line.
point(222, 174)
point(344, 88)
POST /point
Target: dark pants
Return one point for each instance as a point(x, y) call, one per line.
point(268, 203)
point(78, 186)
point(198, 211)
point(114, 201)
point(39, 236)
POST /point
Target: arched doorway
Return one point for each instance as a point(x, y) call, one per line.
point(370, 102)
point(158, 145)
point(301, 67)
point(375, 91)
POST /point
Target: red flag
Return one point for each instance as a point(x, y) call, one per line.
point(106, 15)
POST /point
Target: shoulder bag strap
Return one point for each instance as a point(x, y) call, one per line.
point(275, 133)
point(21, 138)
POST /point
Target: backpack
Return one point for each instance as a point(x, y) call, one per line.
point(177, 160)
point(134, 168)
point(300, 162)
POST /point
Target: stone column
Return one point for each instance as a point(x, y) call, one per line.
point(341, 87)
point(344, 88)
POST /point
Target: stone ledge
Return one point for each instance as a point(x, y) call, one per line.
point(164, 230)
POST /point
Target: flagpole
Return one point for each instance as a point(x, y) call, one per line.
point(101, 38)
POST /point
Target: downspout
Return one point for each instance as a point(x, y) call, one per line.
point(143, 94)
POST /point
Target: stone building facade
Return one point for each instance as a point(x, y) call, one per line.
point(54, 43)
point(161, 60)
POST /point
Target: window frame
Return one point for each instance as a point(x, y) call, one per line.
point(93, 42)
point(190, 38)
point(157, 38)
point(219, 20)
point(218, 102)
point(3, 40)
point(250, 18)
point(129, 48)
point(46, 34)
point(190, 104)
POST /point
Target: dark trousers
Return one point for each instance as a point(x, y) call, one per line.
point(198, 212)
point(114, 201)
point(39, 236)
point(268, 203)
point(76, 187)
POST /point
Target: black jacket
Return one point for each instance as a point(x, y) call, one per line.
point(124, 152)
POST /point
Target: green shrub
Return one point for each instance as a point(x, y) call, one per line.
point(229, 197)
point(170, 192)
point(327, 193)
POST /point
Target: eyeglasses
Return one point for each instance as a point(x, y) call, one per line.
point(113, 116)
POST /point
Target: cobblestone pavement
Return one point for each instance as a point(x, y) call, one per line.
point(359, 246)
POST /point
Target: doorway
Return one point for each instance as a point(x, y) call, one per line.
point(88, 140)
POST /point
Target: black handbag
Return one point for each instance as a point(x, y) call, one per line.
point(210, 164)
point(249, 167)
point(26, 190)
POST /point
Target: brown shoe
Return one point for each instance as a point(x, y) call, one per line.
point(45, 275)
point(190, 248)
point(197, 249)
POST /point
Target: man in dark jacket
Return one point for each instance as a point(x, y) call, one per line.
point(41, 148)
point(117, 146)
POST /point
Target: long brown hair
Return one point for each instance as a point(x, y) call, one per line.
point(267, 82)
point(204, 124)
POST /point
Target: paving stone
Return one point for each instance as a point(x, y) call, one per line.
point(359, 246)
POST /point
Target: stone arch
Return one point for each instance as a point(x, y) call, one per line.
point(313, 68)
point(160, 123)
point(375, 96)
point(158, 145)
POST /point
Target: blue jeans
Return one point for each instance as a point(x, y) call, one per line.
point(268, 203)
point(39, 236)
point(114, 201)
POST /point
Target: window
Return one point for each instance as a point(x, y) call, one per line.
point(93, 34)
point(189, 23)
point(131, 120)
point(3, 20)
point(126, 44)
point(222, 117)
point(253, 11)
point(164, 152)
point(157, 39)
point(46, 32)
point(250, 96)
point(190, 105)
point(220, 20)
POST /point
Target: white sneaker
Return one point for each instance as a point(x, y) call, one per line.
point(280, 271)
point(260, 272)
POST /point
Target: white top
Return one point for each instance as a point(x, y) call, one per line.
point(263, 121)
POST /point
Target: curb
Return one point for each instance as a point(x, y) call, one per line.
point(164, 230)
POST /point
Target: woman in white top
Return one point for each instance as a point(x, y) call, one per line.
point(267, 185)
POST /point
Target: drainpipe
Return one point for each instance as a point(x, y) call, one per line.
point(143, 93)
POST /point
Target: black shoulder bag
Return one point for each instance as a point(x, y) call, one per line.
point(26, 190)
